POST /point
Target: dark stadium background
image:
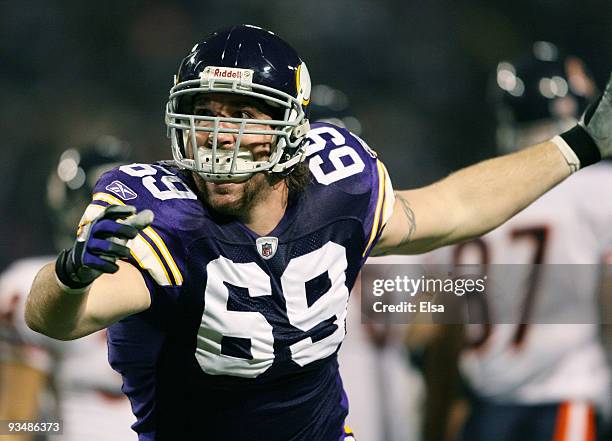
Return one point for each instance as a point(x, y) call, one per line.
point(414, 71)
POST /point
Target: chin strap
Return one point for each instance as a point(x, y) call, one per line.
point(299, 157)
point(302, 129)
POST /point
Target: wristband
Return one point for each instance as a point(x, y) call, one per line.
point(570, 156)
point(582, 145)
point(63, 279)
point(69, 290)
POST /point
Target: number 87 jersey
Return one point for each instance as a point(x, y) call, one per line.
point(241, 337)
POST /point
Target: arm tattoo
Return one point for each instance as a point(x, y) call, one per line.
point(409, 217)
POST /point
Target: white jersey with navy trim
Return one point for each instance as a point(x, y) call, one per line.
point(553, 363)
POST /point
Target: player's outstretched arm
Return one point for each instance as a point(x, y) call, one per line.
point(88, 288)
point(477, 199)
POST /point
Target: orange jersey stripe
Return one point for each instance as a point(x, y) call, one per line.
point(562, 420)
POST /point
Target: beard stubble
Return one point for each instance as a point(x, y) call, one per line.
point(253, 190)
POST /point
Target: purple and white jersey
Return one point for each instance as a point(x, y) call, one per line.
point(241, 337)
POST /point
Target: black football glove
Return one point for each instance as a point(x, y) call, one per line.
point(597, 121)
point(99, 245)
point(591, 138)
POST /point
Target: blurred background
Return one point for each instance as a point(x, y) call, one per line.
point(414, 72)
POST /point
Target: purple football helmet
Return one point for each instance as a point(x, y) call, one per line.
point(249, 61)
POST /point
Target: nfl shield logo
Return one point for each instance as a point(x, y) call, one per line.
point(267, 246)
point(266, 249)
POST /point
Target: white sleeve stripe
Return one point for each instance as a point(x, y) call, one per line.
point(159, 242)
point(91, 212)
point(144, 253)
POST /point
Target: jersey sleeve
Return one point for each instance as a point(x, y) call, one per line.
point(381, 204)
point(340, 160)
point(156, 249)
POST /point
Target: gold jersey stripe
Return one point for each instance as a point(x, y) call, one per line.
point(379, 205)
point(149, 260)
point(156, 238)
point(382, 196)
point(387, 211)
point(105, 197)
point(138, 261)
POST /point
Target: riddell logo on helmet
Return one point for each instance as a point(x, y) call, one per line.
point(226, 73)
point(245, 76)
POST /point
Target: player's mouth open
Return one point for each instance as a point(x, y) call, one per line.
point(223, 187)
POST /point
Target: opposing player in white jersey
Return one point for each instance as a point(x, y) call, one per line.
point(541, 381)
point(87, 393)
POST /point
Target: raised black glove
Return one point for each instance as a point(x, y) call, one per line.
point(99, 245)
point(591, 138)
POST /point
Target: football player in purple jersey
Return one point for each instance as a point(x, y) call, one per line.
point(223, 276)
